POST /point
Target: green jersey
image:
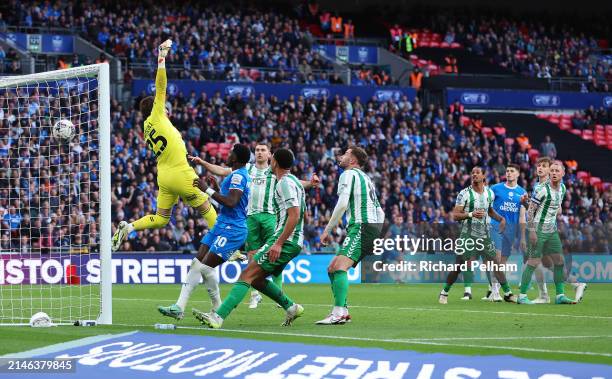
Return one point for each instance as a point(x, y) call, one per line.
point(364, 207)
point(289, 193)
point(471, 200)
point(549, 202)
point(262, 190)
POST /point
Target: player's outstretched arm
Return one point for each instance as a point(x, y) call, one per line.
point(313, 182)
point(212, 168)
point(161, 80)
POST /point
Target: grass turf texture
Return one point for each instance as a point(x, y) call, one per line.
point(387, 316)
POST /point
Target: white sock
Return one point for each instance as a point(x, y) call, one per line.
point(254, 293)
point(496, 287)
point(575, 285)
point(130, 228)
point(443, 293)
point(193, 278)
point(522, 296)
point(541, 284)
point(468, 290)
point(339, 311)
point(212, 285)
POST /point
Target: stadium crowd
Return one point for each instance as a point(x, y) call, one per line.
point(49, 191)
point(420, 157)
point(211, 41)
point(523, 43)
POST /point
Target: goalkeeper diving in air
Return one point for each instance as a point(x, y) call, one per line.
point(175, 177)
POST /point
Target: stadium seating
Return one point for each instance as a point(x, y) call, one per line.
point(211, 42)
point(518, 43)
point(600, 135)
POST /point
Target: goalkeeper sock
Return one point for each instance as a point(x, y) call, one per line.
point(558, 277)
point(150, 222)
point(212, 285)
point(274, 292)
point(238, 292)
point(278, 280)
point(340, 288)
point(526, 278)
point(193, 278)
point(210, 215)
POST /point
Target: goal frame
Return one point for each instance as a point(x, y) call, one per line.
point(102, 70)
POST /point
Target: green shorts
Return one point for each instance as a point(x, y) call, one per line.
point(288, 252)
point(359, 241)
point(475, 247)
point(548, 243)
point(260, 228)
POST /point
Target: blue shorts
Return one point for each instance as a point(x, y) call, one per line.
point(224, 239)
point(504, 241)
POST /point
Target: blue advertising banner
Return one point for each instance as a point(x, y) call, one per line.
point(148, 269)
point(282, 91)
point(172, 269)
point(350, 54)
point(511, 99)
point(41, 43)
point(154, 355)
point(420, 268)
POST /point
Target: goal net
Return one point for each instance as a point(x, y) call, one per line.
point(55, 197)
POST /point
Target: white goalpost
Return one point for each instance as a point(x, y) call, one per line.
point(55, 200)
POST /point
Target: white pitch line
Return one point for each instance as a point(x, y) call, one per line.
point(506, 338)
point(441, 309)
point(399, 341)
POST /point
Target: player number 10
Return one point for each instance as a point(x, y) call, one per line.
point(220, 241)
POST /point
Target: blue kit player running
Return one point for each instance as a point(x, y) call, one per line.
point(228, 234)
point(507, 203)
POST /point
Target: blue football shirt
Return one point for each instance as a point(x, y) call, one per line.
point(507, 202)
point(238, 179)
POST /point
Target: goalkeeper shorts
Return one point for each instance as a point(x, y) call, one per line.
point(175, 183)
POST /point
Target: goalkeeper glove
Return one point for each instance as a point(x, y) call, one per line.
point(164, 48)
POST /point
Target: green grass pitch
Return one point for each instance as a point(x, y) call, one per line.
point(386, 316)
